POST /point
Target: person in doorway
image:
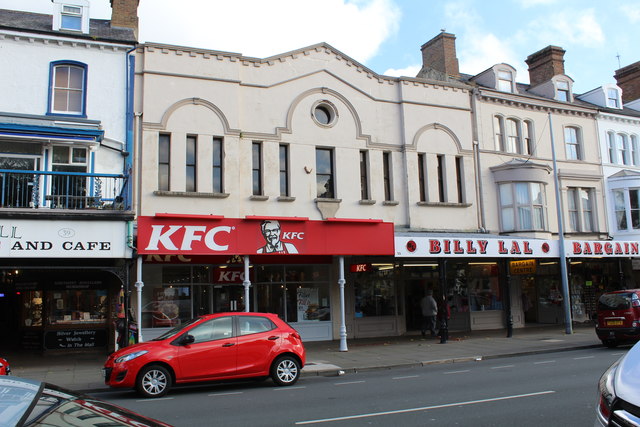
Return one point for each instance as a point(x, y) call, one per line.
point(271, 233)
point(444, 314)
point(429, 309)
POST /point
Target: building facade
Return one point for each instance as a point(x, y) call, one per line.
point(65, 205)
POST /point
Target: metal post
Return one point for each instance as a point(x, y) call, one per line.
point(246, 282)
point(563, 256)
point(343, 325)
point(507, 300)
point(139, 285)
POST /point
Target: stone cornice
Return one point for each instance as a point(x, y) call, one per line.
point(47, 40)
point(531, 103)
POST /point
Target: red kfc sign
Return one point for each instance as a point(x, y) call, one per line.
point(221, 236)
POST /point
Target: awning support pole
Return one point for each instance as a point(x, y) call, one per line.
point(246, 282)
point(139, 285)
point(343, 326)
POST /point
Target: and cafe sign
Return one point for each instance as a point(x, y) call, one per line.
point(63, 239)
point(424, 246)
point(525, 266)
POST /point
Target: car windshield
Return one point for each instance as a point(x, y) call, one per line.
point(621, 301)
point(17, 396)
point(175, 331)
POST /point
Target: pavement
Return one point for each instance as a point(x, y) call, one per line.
point(82, 371)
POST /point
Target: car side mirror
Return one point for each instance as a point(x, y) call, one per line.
point(187, 339)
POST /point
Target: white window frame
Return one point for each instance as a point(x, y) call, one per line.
point(563, 87)
point(613, 101)
point(573, 148)
point(505, 81)
point(517, 208)
point(581, 217)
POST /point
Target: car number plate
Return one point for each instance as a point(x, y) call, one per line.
point(614, 323)
point(104, 373)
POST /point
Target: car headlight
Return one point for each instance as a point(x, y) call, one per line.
point(130, 356)
point(606, 391)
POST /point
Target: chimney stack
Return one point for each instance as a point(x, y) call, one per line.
point(124, 13)
point(439, 54)
point(544, 64)
point(628, 79)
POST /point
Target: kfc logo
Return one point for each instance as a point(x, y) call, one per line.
point(272, 234)
point(192, 233)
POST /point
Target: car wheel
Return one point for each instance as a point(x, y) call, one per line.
point(610, 343)
point(153, 381)
point(285, 371)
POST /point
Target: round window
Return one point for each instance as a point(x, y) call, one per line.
point(324, 113)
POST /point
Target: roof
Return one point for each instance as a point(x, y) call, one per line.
point(99, 29)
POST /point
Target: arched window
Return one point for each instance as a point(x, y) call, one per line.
point(611, 146)
point(513, 136)
point(67, 84)
point(498, 129)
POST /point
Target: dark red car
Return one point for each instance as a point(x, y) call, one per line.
point(619, 317)
point(217, 346)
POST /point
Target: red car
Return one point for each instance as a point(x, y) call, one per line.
point(619, 317)
point(217, 346)
point(5, 369)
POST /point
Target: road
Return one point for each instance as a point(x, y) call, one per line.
point(552, 389)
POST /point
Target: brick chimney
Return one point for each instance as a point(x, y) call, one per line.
point(544, 64)
point(439, 54)
point(628, 79)
point(124, 13)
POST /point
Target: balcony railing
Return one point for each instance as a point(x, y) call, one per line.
point(62, 190)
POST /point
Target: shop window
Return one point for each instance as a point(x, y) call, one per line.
point(73, 307)
point(484, 286)
point(32, 306)
point(375, 292)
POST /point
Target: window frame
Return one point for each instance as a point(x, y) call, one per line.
point(503, 82)
point(329, 193)
point(164, 163)
point(257, 188)
point(387, 178)
point(191, 163)
point(365, 194)
point(576, 144)
point(422, 177)
point(217, 165)
point(613, 102)
point(68, 13)
point(563, 91)
point(53, 68)
point(441, 173)
point(581, 219)
point(283, 171)
point(518, 207)
point(459, 161)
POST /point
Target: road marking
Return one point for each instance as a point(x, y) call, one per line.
point(226, 394)
point(349, 382)
point(583, 357)
point(618, 354)
point(456, 372)
point(154, 400)
point(504, 366)
point(423, 408)
point(289, 388)
point(406, 377)
point(544, 361)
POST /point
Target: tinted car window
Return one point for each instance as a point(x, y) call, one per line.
point(213, 329)
point(615, 301)
point(254, 324)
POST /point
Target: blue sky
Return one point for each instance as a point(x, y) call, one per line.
point(386, 35)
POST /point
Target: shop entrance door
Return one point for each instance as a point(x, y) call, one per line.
point(217, 298)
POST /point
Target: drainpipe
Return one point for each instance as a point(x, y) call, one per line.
point(476, 160)
point(130, 62)
point(403, 137)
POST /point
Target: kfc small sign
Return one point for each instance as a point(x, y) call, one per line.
point(227, 275)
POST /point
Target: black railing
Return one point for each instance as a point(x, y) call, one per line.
point(62, 190)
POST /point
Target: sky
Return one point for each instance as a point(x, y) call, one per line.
point(385, 35)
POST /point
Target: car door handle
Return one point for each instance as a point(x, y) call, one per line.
point(273, 338)
point(229, 344)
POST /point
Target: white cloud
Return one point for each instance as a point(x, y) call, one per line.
point(569, 27)
point(481, 51)
point(264, 28)
point(410, 71)
point(631, 12)
point(533, 3)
